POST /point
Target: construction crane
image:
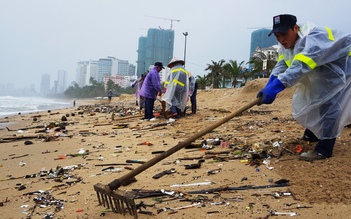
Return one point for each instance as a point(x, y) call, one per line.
point(170, 19)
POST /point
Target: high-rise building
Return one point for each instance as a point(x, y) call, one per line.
point(105, 68)
point(61, 81)
point(260, 38)
point(157, 46)
point(45, 84)
point(81, 73)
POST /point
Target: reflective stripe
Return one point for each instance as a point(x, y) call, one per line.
point(287, 62)
point(281, 57)
point(330, 34)
point(307, 60)
point(166, 82)
point(178, 82)
point(350, 53)
point(179, 69)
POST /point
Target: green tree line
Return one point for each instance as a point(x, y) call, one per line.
point(96, 89)
point(220, 74)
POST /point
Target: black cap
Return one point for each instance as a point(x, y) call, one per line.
point(282, 23)
point(159, 64)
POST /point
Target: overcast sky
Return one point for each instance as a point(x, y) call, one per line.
point(42, 36)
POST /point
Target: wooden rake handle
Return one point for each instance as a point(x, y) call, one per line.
point(129, 176)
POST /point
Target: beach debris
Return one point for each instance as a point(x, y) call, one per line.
point(136, 161)
point(157, 152)
point(112, 164)
point(28, 142)
point(247, 187)
point(22, 164)
point(181, 207)
point(194, 166)
point(159, 175)
point(192, 184)
point(26, 128)
point(112, 169)
point(102, 124)
point(145, 143)
point(280, 194)
point(63, 118)
point(215, 171)
point(271, 212)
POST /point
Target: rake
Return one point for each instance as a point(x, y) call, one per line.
point(123, 201)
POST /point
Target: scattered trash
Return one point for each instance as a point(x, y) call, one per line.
point(195, 166)
point(28, 142)
point(192, 184)
point(243, 179)
point(159, 175)
point(145, 143)
point(282, 213)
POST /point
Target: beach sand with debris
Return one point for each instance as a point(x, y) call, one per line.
point(245, 168)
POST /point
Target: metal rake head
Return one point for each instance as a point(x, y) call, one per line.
point(118, 201)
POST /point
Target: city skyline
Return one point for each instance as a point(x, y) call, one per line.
point(42, 37)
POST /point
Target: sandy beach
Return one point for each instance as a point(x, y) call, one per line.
point(248, 168)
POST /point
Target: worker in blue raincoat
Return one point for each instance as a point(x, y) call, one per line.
point(317, 60)
point(177, 83)
point(150, 89)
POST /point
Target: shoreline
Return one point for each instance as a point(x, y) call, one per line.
point(16, 120)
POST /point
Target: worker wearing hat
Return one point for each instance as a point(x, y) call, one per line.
point(150, 89)
point(177, 83)
point(317, 61)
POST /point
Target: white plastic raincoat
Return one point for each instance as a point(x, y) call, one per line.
point(177, 88)
point(320, 67)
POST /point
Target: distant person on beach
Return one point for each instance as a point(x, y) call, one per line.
point(192, 93)
point(318, 61)
point(150, 89)
point(109, 96)
point(137, 84)
point(177, 92)
point(74, 103)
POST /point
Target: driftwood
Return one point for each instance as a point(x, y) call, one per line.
point(128, 117)
point(15, 138)
point(102, 124)
point(26, 128)
point(226, 188)
point(24, 155)
point(218, 152)
point(112, 164)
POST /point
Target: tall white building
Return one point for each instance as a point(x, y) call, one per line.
point(45, 84)
point(61, 81)
point(86, 70)
point(103, 68)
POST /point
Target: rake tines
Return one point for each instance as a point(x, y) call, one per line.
point(118, 201)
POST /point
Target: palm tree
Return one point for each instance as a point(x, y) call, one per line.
point(109, 85)
point(258, 60)
point(257, 64)
point(202, 82)
point(232, 71)
point(216, 72)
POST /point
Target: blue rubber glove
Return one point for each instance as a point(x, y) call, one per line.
point(271, 90)
point(271, 79)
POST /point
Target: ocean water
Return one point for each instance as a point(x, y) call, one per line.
point(13, 105)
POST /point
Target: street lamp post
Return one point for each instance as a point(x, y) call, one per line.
point(185, 34)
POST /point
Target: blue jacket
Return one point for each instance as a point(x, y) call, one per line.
point(151, 85)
